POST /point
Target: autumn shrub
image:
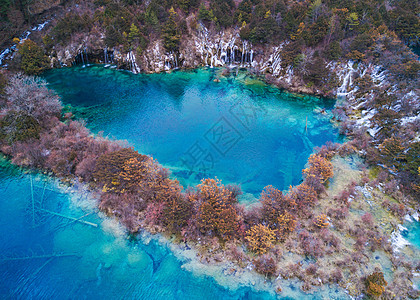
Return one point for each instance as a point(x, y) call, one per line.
point(321, 221)
point(304, 196)
point(367, 219)
point(110, 166)
point(30, 96)
point(276, 211)
point(310, 245)
point(330, 239)
point(125, 207)
point(33, 59)
point(266, 265)
point(17, 126)
point(285, 224)
point(176, 213)
point(319, 167)
point(260, 238)
point(375, 284)
point(217, 212)
point(274, 203)
point(392, 152)
point(327, 151)
point(339, 212)
point(154, 211)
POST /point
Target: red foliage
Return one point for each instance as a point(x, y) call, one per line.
point(217, 209)
point(367, 219)
point(304, 196)
point(310, 245)
point(266, 265)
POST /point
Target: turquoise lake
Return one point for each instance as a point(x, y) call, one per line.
point(48, 253)
point(239, 129)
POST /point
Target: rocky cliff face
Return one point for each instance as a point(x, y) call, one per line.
point(202, 47)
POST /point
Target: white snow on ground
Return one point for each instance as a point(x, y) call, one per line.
point(406, 120)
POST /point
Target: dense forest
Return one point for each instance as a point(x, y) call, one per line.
point(314, 36)
point(317, 31)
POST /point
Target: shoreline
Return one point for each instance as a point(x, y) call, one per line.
point(301, 220)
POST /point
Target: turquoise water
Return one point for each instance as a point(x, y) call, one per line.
point(413, 233)
point(100, 262)
point(238, 129)
point(47, 253)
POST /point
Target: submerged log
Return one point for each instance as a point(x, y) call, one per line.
point(70, 218)
point(50, 256)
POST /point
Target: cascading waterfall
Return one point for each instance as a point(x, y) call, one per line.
point(347, 80)
point(131, 58)
point(87, 61)
point(223, 49)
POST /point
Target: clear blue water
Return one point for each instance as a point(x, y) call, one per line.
point(413, 233)
point(239, 129)
point(163, 115)
point(104, 265)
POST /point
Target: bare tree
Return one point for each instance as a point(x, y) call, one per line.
point(29, 95)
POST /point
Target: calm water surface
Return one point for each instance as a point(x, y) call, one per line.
point(239, 129)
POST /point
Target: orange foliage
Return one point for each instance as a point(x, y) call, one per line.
point(375, 284)
point(217, 212)
point(320, 167)
point(276, 209)
point(127, 171)
point(321, 221)
point(176, 213)
point(286, 223)
point(260, 238)
point(110, 165)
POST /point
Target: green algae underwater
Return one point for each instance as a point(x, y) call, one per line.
point(56, 256)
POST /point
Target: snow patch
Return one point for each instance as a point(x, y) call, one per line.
point(397, 240)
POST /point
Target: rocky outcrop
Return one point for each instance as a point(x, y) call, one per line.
point(202, 47)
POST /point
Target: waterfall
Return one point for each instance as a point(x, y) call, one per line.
point(105, 55)
point(243, 52)
point(131, 59)
point(347, 80)
point(87, 61)
point(83, 60)
point(3, 55)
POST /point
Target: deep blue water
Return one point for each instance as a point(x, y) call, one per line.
point(239, 129)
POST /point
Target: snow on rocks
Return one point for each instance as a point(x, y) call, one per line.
point(397, 240)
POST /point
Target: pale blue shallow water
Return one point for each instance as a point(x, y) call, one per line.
point(238, 129)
